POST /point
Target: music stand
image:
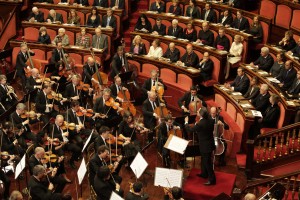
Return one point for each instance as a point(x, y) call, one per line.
point(126, 76)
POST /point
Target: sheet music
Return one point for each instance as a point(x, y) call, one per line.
point(81, 171)
point(274, 80)
point(168, 177)
point(20, 166)
point(256, 113)
point(236, 93)
point(176, 144)
point(115, 196)
point(87, 141)
point(246, 105)
point(138, 165)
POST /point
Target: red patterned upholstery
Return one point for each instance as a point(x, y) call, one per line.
point(283, 16)
point(184, 82)
point(31, 33)
point(267, 9)
point(168, 76)
point(220, 101)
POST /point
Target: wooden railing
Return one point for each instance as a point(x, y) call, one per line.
point(275, 148)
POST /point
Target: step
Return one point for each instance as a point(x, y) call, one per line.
point(283, 169)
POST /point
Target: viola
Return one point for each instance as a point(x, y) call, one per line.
point(112, 103)
point(30, 114)
point(49, 158)
point(83, 86)
point(55, 96)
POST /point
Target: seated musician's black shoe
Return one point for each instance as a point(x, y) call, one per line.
point(72, 165)
point(202, 176)
point(210, 183)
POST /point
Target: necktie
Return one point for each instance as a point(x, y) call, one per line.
point(206, 14)
point(75, 91)
point(98, 43)
point(60, 54)
point(193, 98)
point(239, 23)
point(251, 90)
point(153, 83)
point(92, 70)
point(174, 30)
point(25, 56)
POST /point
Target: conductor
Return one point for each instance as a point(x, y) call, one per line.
point(204, 129)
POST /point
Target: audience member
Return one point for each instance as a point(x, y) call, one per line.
point(143, 24)
point(288, 42)
point(137, 46)
point(44, 38)
point(193, 10)
point(278, 65)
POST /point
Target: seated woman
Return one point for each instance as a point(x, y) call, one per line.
point(235, 53)
point(256, 30)
point(73, 18)
point(61, 37)
point(83, 40)
point(278, 65)
point(94, 18)
point(44, 38)
point(137, 47)
point(143, 24)
point(288, 42)
point(190, 32)
point(155, 50)
point(175, 8)
point(253, 89)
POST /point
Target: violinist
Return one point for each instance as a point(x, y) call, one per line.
point(32, 85)
point(38, 158)
point(163, 134)
point(103, 135)
point(136, 192)
point(7, 95)
point(119, 63)
point(20, 122)
point(173, 194)
point(149, 83)
point(22, 58)
point(188, 97)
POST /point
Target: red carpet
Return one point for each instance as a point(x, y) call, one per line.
point(195, 190)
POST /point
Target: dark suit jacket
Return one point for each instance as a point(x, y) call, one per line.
point(112, 22)
point(211, 17)
point(103, 3)
point(175, 10)
point(243, 25)
point(132, 196)
point(94, 164)
point(261, 102)
point(226, 127)
point(100, 108)
point(147, 84)
point(173, 56)
point(94, 23)
point(206, 69)
point(104, 189)
point(204, 129)
point(241, 85)
point(55, 57)
point(195, 13)
point(83, 2)
point(142, 49)
point(17, 121)
point(178, 33)
point(296, 51)
point(227, 21)
point(161, 30)
point(192, 37)
point(161, 8)
point(222, 41)
point(120, 6)
point(116, 65)
point(87, 73)
point(287, 77)
point(294, 89)
point(147, 109)
point(71, 118)
point(113, 89)
point(32, 162)
point(41, 102)
point(39, 17)
point(69, 91)
point(192, 62)
point(264, 63)
point(3, 95)
point(253, 94)
point(21, 61)
point(186, 99)
point(99, 142)
point(207, 37)
point(38, 191)
point(271, 116)
point(59, 17)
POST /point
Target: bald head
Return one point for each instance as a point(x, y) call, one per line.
point(250, 196)
point(172, 46)
point(90, 61)
point(35, 10)
point(34, 72)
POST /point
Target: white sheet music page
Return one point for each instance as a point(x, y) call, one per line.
point(87, 141)
point(176, 144)
point(138, 165)
point(20, 166)
point(168, 177)
point(115, 196)
point(81, 171)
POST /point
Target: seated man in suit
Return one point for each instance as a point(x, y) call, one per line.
point(240, 22)
point(159, 28)
point(119, 63)
point(175, 194)
point(265, 61)
point(89, 69)
point(175, 30)
point(158, 6)
point(206, 67)
point(8, 97)
point(294, 90)
point(100, 41)
point(206, 36)
point(222, 42)
point(208, 14)
point(151, 82)
point(190, 58)
point(36, 15)
point(117, 87)
point(253, 89)
point(240, 83)
point(109, 20)
point(61, 37)
point(172, 53)
point(101, 3)
point(295, 51)
point(287, 75)
point(226, 18)
point(54, 17)
point(261, 102)
point(136, 193)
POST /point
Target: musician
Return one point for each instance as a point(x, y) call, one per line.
point(16, 195)
point(7, 94)
point(294, 90)
point(205, 35)
point(240, 83)
point(287, 75)
point(54, 17)
point(103, 135)
point(226, 18)
point(117, 86)
point(265, 61)
point(204, 129)
point(99, 160)
point(20, 123)
point(61, 37)
point(296, 50)
point(136, 192)
point(105, 114)
point(222, 123)
point(44, 38)
point(89, 69)
point(99, 40)
point(100, 3)
point(192, 10)
point(37, 188)
point(119, 63)
point(36, 15)
point(253, 89)
point(190, 58)
point(159, 28)
point(83, 40)
point(150, 82)
point(206, 67)
point(93, 18)
point(38, 158)
point(208, 14)
point(188, 97)
point(261, 102)
point(22, 58)
point(172, 53)
point(103, 186)
point(109, 20)
point(163, 132)
point(31, 84)
point(137, 46)
point(175, 30)
point(222, 41)
point(240, 22)
point(176, 194)
point(175, 8)
point(158, 6)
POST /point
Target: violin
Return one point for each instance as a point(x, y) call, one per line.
point(70, 126)
point(85, 112)
point(55, 96)
point(113, 140)
point(5, 155)
point(112, 103)
point(69, 64)
point(83, 86)
point(49, 158)
point(30, 114)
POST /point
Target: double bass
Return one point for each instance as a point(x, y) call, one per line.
point(218, 131)
point(32, 63)
point(69, 63)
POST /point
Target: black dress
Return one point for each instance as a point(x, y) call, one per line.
point(146, 26)
point(257, 33)
point(45, 39)
point(191, 36)
point(93, 23)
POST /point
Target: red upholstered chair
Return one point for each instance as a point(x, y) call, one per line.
point(296, 19)
point(231, 110)
point(64, 14)
point(118, 29)
point(31, 33)
point(71, 37)
point(168, 76)
point(150, 2)
point(77, 58)
point(215, 33)
point(91, 2)
point(283, 16)
point(164, 47)
point(51, 33)
point(38, 54)
point(182, 25)
point(45, 11)
point(166, 23)
point(244, 53)
point(81, 15)
point(49, 55)
point(135, 63)
point(266, 29)
point(108, 55)
point(152, 21)
point(147, 68)
point(56, 1)
point(215, 73)
point(199, 54)
point(267, 9)
point(240, 121)
point(127, 10)
point(280, 120)
point(184, 82)
point(168, 5)
point(230, 38)
point(296, 37)
point(147, 44)
point(198, 28)
point(182, 50)
point(220, 101)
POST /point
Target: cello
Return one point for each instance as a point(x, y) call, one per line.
point(126, 104)
point(218, 131)
point(195, 105)
point(158, 89)
point(68, 69)
point(101, 77)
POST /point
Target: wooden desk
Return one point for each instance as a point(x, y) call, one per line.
point(221, 56)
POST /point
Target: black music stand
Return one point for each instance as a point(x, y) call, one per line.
point(126, 76)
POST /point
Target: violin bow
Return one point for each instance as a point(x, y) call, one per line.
point(44, 78)
point(51, 145)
